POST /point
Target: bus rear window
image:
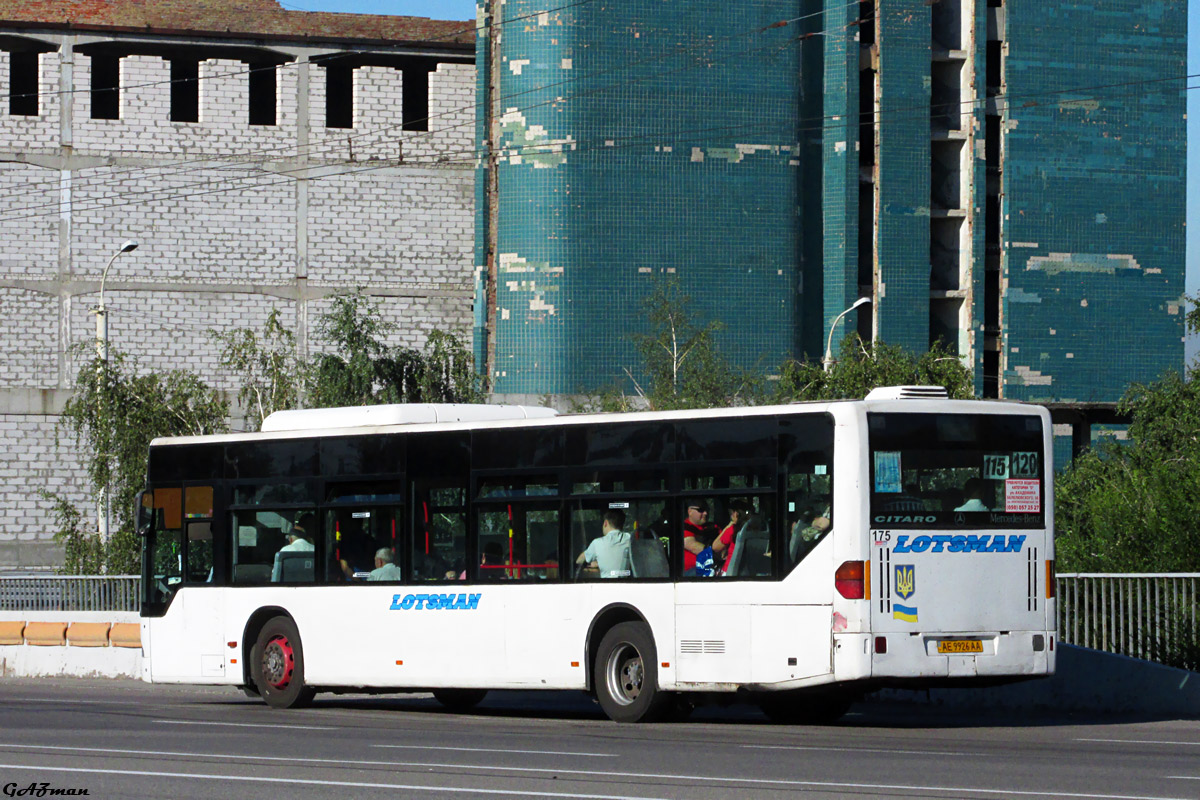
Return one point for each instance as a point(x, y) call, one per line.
point(957, 471)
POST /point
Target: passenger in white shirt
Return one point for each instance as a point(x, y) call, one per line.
point(385, 569)
point(299, 541)
point(975, 491)
point(609, 554)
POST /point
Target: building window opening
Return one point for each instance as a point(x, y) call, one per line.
point(339, 96)
point(185, 90)
point(416, 99)
point(106, 87)
point(23, 84)
point(263, 93)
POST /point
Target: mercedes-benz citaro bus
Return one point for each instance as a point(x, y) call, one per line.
point(790, 556)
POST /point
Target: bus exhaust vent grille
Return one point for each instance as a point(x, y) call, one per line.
point(908, 393)
point(699, 646)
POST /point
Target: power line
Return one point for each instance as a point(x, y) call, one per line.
point(256, 182)
point(473, 29)
point(337, 139)
point(472, 155)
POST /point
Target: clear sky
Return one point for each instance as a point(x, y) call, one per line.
point(465, 10)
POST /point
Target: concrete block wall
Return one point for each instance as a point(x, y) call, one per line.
point(40, 132)
point(234, 220)
point(370, 229)
point(31, 460)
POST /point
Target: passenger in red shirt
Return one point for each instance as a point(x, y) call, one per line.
point(739, 510)
point(695, 535)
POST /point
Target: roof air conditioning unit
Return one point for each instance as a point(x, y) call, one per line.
point(908, 393)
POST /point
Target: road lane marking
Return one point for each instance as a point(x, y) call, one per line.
point(275, 725)
point(954, 790)
point(1184, 777)
point(860, 750)
point(346, 784)
point(493, 750)
point(1140, 741)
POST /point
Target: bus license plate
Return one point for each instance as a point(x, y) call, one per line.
point(960, 646)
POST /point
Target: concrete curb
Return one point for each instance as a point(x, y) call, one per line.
point(50, 649)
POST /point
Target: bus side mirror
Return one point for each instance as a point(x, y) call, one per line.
point(145, 512)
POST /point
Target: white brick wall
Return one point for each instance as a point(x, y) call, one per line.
point(29, 236)
point(218, 210)
point(38, 134)
point(31, 460)
point(29, 330)
point(372, 228)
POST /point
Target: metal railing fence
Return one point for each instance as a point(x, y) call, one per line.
point(1150, 616)
point(70, 593)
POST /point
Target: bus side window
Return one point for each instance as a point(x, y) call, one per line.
point(806, 450)
point(439, 542)
point(516, 542)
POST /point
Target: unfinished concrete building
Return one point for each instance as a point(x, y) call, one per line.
point(263, 158)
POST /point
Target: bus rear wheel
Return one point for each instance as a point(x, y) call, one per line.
point(460, 699)
point(626, 675)
point(278, 665)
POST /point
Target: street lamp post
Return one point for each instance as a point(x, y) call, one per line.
point(104, 512)
point(101, 313)
point(827, 361)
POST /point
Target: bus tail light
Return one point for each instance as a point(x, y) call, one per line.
point(849, 580)
point(1050, 579)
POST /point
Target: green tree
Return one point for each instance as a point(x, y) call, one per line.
point(864, 366)
point(360, 368)
point(1132, 506)
point(267, 365)
point(681, 363)
point(113, 415)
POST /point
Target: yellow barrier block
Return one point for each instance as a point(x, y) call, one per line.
point(12, 632)
point(125, 634)
point(88, 634)
point(46, 634)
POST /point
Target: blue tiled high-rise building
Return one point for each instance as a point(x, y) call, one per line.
point(1008, 177)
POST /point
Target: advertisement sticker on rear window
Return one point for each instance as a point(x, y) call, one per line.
point(1022, 496)
point(887, 472)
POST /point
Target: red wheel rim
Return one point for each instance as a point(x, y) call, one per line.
point(278, 662)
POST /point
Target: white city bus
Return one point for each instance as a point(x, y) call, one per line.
point(894, 541)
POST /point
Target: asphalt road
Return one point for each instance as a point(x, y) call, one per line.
point(127, 739)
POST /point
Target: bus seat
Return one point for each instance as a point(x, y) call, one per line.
point(297, 566)
point(756, 562)
point(647, 559)
point(749, 553)
point(251, 573)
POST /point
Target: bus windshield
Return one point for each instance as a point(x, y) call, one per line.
point(956, 471)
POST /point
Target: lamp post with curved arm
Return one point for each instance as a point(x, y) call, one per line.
point(827, 361)
point(101, 313)
point(104, 510)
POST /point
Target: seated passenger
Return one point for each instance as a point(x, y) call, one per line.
point(385, 568)
point(698, 535)
point(299, 540)
point(975, 490)
point(723, 546)
point(608, 554)
point(354, 555)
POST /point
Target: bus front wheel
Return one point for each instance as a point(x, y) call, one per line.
point(278, 662)
point(626, 675)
